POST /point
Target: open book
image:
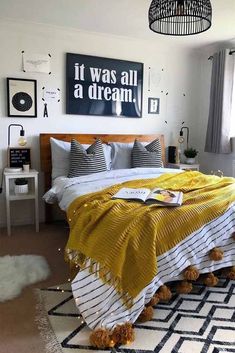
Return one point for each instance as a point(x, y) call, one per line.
point(160, 197)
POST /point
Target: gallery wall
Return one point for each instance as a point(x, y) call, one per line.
point(170, 73)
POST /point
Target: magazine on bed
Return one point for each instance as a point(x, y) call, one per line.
point(160, 197)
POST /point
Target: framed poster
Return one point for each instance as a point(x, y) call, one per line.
point(103, 86)
point(22, 97)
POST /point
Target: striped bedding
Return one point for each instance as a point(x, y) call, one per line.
point(99, 303)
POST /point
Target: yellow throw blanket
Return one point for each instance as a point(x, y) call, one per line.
point(125, 238)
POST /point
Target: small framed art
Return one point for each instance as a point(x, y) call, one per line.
point(22, 97)
point(153, 105)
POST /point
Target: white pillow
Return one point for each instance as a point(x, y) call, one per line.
point(121, 154)
point(60, 156)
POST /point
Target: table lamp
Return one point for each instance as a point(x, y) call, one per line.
point(22, 141)
point(181, 138)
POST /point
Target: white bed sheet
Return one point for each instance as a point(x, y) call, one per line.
point(65, 190)
point(99, 303)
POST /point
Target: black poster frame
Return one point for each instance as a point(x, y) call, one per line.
point(31, 92)
point(116, 92)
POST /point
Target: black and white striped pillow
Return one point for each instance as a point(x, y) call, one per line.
point(149, 156)
point(84, 162)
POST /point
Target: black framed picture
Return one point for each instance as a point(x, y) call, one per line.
point(17, 156)
point(103, 86)
point(22, 97)
point(153, 105)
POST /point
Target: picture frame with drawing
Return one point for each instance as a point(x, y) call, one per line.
point(21, 97)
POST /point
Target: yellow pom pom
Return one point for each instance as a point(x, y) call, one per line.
point(230, 272)
point(100, 338)
point(210, 280)
point(154, 301)
point(191, 273)
point(123, 334)
point(146, 314)
point(184, 287)
point(164, 293)
point(216, 254)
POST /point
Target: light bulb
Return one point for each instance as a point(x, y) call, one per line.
point(181, 139)
point(22, 141)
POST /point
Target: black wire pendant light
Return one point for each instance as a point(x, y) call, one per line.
point(180, 17)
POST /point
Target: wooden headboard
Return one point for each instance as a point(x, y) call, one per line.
point(45, 149)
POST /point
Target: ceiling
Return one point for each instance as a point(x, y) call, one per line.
point(123, 17)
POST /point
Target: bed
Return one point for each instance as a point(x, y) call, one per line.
point(207, 246)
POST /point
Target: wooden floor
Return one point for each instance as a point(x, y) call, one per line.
point(18, 330)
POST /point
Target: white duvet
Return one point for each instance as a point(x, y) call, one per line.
point(99, 303)
point(65, 190)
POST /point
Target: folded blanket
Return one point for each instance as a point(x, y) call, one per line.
point(124, 238)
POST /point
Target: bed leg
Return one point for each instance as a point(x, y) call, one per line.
point(48, 213)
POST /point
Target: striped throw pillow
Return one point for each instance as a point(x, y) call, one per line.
point(84, 162)
point(149, 156)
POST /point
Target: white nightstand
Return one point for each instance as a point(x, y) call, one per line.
point(9, 177)
point(183, 166)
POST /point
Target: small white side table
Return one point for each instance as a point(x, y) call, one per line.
point(184, 166)
point(10, 195)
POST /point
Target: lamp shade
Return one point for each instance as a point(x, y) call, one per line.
point(180, 17)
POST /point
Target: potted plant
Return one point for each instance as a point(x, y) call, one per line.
point(26, 166)
point(190, 154)
point(21, 186)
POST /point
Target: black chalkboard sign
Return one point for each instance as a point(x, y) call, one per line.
point(18, 156)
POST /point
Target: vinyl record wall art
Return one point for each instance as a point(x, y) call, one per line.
point(22, 97)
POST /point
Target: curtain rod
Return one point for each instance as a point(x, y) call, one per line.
point(230, 53)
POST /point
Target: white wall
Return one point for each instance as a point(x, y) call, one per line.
point(174, 71)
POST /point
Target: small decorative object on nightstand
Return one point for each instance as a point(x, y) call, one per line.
point(21, 186)
point(26, 166)
point(190, 154)
point(218, 173)
point(12, 194)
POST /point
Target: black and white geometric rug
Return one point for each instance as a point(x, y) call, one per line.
point(200, 322)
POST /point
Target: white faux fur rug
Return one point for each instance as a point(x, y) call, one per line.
point(16, 272)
